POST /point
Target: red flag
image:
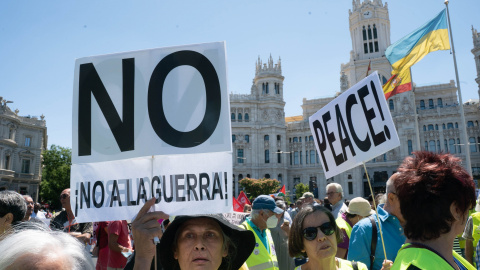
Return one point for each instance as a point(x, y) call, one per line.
point(368, 69)
point(237, 207)
point(283, 190)
point(242, 199)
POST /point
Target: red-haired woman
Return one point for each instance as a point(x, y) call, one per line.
point(435, 194)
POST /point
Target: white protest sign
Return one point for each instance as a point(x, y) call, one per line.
point(235, 218)
point(354, 127)
point(151, 123)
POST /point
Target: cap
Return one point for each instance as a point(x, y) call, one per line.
point(266, 202)
point(360, 206)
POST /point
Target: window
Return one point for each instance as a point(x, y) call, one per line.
point(25, 165)
point(456, 125)
point(364, 34)
point(422, 105)
point(376, 46)
point(23, 190)
point(470, 124)
point(432, 146)
point(369, 32)
point(10, 134)
point(370, 46)
point(248, 175)
point(365, 47)
point(291, 158)
point(28, 141)
point(424, 128)
point(449, 125)
point(267, 156)
point(430, 104)
point(299, 139)
point(279, 178)
point(266, 138)
point(240, 177)
point(263, 88)
point(350, 187)
point(295, 139)
point(295, 158)
point(233, 117)
point(301, 157)
point(7, 162)
point(459, 146)
point(266, 88)
point(410, 147)
point(306, 139)
point(439, 102)
point(426, 146)
point(279, 156)
point(436, 127)
point(374, 31)
point(233, 138)
point(246, 117)
point(445, 145)
point(430, 127)
point(306, 157)
point(473, 145)
point(267, 176)
point(240, 157)
point(277, 88)
point(443, 126)
point(451, 146)
point(279, 137)
point(310, 138)
point(391, 105)
point(239, 117)
point(247, 138)
point(438, 146)
point(318, 159)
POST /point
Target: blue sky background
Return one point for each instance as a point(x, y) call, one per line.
point(40, 40)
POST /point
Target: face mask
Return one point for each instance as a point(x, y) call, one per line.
point(272, 222)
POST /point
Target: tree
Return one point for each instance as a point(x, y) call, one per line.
point(56, 174)
point(256, 187)
point(300, 189)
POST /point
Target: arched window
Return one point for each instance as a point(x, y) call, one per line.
point(451, 146)
point(364, 33)
point(246, 117)
point(445, 145)
point(430, 104)
point(438, 146)
point(449, 125)
point(240, 177)
point(295, 139)
point(279, 156)
point(430, 127)
point(267, 176)
point(248, 175)
point(422, 105)
point(279, 178)
point(310, 138)
point(432, 146)
point(374, 31)
point(279, 137)
point(469, 123)
point(233, 138)
point(266, 88)
point(263, 88)
point(456, 125)
point(233, 117)
point(391, 105)
point(369, 32)
point(443, 126)
point(239, 117)
point(299, 139)
point(247, 138)
point(410, 147)
point(266, 138)
point(267, 156)
point(312, 156)
point(439, 102)
point(424, 128)
point(436, 127)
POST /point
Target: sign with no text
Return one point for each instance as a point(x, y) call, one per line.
point(152, 123)
point(354, 128)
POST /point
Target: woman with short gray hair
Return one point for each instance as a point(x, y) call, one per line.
point(12, 209)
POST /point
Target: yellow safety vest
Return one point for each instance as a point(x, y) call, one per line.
point(344, 265)
point(424, 259)
point(261, 259)
point(342, 224)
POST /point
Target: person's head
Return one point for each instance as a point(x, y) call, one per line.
point(43, 249)
point(392, 203)
point(358, 209)
point(379, 198)
point(65, 198)
point(265, 213)
point(435, 193)
point(292, 205)
point(247, 208)
point(314, 233)
point(308, 198)
point(30, 205)
point(12, 209)
point(334, 193)
point(205, 240)
point(37, 207)
point(298, 204)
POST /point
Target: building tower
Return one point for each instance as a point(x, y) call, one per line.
point(370, 32)
point(476, 53)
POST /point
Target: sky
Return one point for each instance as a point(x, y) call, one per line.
point(40, 40)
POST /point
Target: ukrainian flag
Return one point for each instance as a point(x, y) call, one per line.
point(430, 37)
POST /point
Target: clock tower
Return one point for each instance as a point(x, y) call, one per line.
point(370, 33)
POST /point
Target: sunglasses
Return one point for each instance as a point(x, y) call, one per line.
point(310, 233)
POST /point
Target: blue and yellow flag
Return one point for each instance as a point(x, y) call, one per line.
point(430, 37)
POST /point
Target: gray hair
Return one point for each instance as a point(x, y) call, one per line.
point(390, 188)
point(281, 204)
point(43, 244)
point(12, 202)
point(337, 186)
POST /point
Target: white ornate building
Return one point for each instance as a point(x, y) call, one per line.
point(22, 139)
point(268, 144)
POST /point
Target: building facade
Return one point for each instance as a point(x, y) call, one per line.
point(22, 140)
point(268, 144)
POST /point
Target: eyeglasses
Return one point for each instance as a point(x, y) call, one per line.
point(331, 193)
point(64, 196)
point(310, 233)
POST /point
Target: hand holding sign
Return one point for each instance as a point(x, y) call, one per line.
point(145, 227)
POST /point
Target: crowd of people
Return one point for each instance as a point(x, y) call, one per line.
point(428, 203)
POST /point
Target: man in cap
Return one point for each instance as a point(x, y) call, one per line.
point(309, 199)
point(265, 214)
point(357, 209)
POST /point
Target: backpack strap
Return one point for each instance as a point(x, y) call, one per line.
point(374, 241)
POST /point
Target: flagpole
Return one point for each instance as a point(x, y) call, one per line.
point(462, 114)
point(417, 129)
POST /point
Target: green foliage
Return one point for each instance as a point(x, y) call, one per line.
point(256, 187)
point(56, 174)
point(300, 189)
